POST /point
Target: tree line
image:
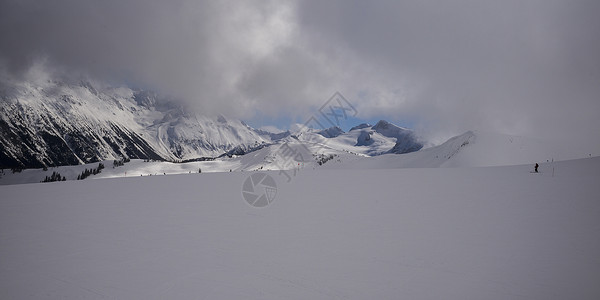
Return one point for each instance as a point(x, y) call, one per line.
point(87, 172)
point(54, 177)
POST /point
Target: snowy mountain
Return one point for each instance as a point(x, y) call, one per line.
point(293, 154)
point(365, 139)
point(406, 141)
point(51, 123)
point(47, 122)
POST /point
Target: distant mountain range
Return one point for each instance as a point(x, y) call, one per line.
point(52, 123)
point(368, 140)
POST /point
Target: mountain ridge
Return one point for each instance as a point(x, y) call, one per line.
point(48, 123)
point(58, 123)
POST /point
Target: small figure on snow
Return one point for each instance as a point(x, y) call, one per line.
point(536, 167)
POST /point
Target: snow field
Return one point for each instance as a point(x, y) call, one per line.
point(451, 233)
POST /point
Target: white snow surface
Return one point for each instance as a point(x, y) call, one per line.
point(411, 233)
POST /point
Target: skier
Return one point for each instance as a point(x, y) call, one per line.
point(536, 167)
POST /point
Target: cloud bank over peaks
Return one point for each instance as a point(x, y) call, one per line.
point(447, 66)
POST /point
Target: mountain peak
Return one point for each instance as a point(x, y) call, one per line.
point(331, 132)
point(221, 119)
point(383, 124)
point(361, 126)
point(146, 99)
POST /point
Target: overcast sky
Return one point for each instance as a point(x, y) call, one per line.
point(518, 67)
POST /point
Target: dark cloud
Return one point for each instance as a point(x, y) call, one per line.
point(529, 68)
point(192, 49)
point(520, 67)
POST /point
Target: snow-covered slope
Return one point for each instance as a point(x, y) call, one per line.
point(471, 149)
point(444, 233)
point(286, 154)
